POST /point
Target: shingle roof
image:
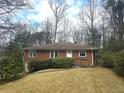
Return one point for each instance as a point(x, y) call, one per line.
point(62, 46)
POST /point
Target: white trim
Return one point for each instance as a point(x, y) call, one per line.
point(85, 53)
point(92, 59)
point(58, 52)
point(50, 55)
point(53, 53)
point(29, 54)
point(68, 52)
point(32, 53)
point(26, 67)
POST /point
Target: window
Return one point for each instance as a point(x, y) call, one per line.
point(69, 53)
point(51, 54)
point(32, 53)
point(82, 53)
point(54, 54)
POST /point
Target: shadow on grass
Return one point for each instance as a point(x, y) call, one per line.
point(23, 75)
point(3, 82)
point(52, 70)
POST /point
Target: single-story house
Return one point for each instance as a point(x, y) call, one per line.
point(80, 53)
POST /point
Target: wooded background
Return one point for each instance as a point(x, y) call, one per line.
point(100, 24)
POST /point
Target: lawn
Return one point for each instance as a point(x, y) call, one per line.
point(78, 80)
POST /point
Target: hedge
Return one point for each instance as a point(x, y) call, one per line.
point(62, 62)
point(107, 58)
point(114, 60)
point(10, 68)
point(119, 63)
point(39, 65)
point(53, 63)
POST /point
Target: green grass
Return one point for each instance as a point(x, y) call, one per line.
point(80, 80)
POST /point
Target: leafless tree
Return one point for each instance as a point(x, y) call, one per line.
point(7, 10)
point(7, 7)
point(65, 32)
point(88, 17)
point(115, 9)
point(78, 36)
point(105, 28)
point(59, 8)
point(48, 29)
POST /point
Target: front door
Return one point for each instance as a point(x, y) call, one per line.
point(69, 53)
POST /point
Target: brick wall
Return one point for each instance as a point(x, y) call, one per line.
point(45, 55)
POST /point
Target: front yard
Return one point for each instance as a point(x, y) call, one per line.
point(79, 80)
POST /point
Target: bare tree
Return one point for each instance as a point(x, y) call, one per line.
point(115, 9)
point(65, 31)
point(7, 10)
point(48, 29)
point(58, 7)
point(105, 28)
point(78, 36)
point(7, 7)
point(88, 18)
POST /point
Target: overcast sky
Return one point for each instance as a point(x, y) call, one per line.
point(41, 10)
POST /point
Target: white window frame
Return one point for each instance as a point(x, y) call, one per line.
point(54, 53)
point(32, 53)
point(84, 52)
point(68, 52)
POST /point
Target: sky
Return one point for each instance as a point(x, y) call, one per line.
point(41, 10)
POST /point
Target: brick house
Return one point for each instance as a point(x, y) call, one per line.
point(81, 54)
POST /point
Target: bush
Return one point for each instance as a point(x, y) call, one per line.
point(39, 65)
point(107, 58)
point(119, 63)
point(115, 60)
point(62, 62)
point(10, 68)
point(53, 63)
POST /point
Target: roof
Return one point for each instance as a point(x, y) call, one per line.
point(62, 46)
